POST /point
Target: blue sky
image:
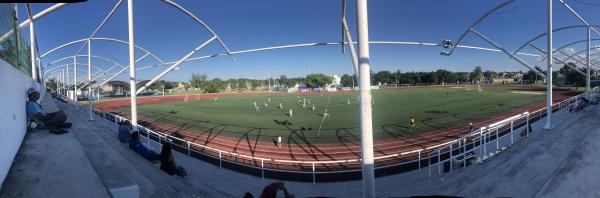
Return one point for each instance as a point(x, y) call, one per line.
point(242, 25)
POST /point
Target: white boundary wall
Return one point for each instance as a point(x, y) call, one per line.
point(13, 119)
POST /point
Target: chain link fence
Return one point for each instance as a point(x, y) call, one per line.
point(14, 49)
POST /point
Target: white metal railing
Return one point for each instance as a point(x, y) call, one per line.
point(472, 145)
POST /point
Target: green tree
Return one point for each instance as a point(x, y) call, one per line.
point(384, 77)
point(572, 76)
point(197, 80)
point(255, 84)
point(463, 77)
point(317, 80)
point(347, 80)
point(51, 84)
point(477, 74)
point(283, 80)
point(489, 75)
point(531, 76)
point(233, 83)
point(444, 76)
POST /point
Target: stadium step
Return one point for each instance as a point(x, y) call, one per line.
point(121, 168)
point(110, 136)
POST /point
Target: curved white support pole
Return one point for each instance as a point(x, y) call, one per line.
point(132, 86)
point(589, 61)
point(550, 61)
point(35, 17)
point(100, 26)
point(34, 70)
point(182, 9)
point(103, 39)
point(93, 56)
point(89, 87)
point(121, 71)
point(174, 65)
point(75, 81)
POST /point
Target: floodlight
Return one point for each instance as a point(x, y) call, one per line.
point(447, 43)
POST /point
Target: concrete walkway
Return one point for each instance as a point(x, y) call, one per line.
point(533, 167)
point(49, 165)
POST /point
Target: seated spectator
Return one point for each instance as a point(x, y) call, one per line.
point(139, 148)
point(124, 135)
point(35, 113)
point(167, 162)
point(270, 191)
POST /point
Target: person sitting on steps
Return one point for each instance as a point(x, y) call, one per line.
point(36, 114)
point(139, 148)
point(270, 191)
point(124, 135)
point(167, 162)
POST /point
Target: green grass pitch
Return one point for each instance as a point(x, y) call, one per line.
point(433, 108)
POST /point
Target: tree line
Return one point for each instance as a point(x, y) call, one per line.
point(440, 76)
point(200, 81)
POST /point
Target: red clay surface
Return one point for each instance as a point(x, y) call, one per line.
point(302, 150)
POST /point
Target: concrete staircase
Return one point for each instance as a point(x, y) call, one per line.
point(123, 172)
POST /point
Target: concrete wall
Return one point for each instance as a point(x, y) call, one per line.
point(13, 119)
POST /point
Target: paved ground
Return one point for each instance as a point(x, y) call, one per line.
point(548, 164)
point(49, 165)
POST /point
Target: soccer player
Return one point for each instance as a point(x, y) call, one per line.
point(280, 106)
point(255, 104)
point(279, 141)
point(291, 112)
point(257, 108)
point(470, 127)
point(265, 104)
point(313, 107)
point(412, 122)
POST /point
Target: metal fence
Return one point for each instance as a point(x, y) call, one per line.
point(15, 49)
point(474, 147)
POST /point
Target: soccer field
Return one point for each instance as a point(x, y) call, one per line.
point(434, 109)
